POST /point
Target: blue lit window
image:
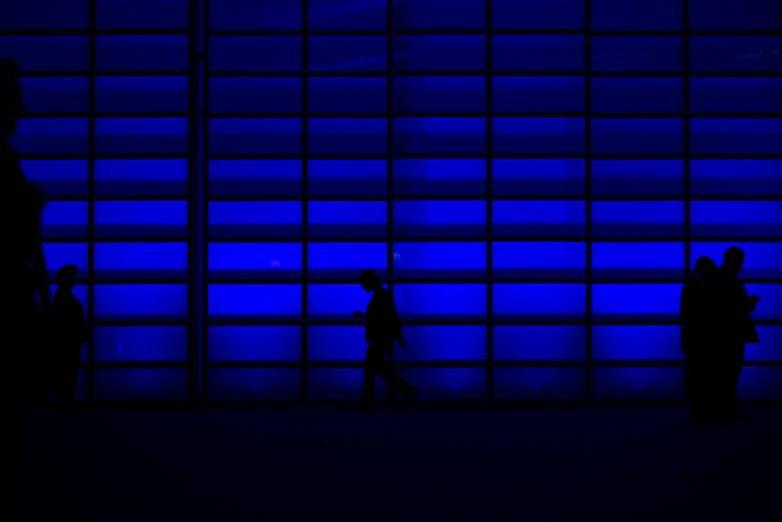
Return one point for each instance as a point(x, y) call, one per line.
point(141, 218)
point(140, 343)
point(631, 260)
point(347, 14)
point(255, 177)
point(534, 14)
point(638, 218)
point(141, 177)
point(637, 383)
point(539, 343)
point(539, 259)
point(538, 53)
point(439, 53)
point(636, 343)
point(538, 218)
point(538, 135)
point(636, 301)
point(560, 302)
point(254, 383)
point(727, 177)
point(59, 177)
point(347, 219)
point(255, 53)
point(346, 260)
point(431, 301)
point(539, 383)
point(347, 177)
point(439, 218)
point(638, 177)
point(255, 260)
point(141, 302)
point(139, 385)
point(255, 219)
point(141, 260)
point(254, 343)
point(439, 260)
point(735, 218)
point(266, 301)
point(538, 177)
point(439, 177)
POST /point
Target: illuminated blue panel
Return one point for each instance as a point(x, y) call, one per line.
point(770, 306)
point(631, 260)
point(153, 94)
point(141, 218)
point(347, 136)
point(545, 94)
point(439, 218)
point(141, 302)
point(534, 14)
point(636, 343)
point(439, 177)
point(346, 260)
point(336, 302)
point(141, 135)
point(538, 135)
point(638, 218)
point(646, 16)
point(47, 53)
point(439, 94)
point(736, 136)
point(255, 219)
point(531, 260)
point(52, 136)
point(736, 95)
point(440, 301)
point(637, 136)
point(637, 383)
point(735, 53)
point(58, 177)
point(760, 383)
point(347, 177)
point(140, 343)
point(136, 385)
point(336, 343)
point(255, 177)
point(347, 53)
point(255, 260)
point(446, 383)
point(56, 94)
point(242, 302)
point(539, 343)
point(142, 14)
point(762, 259)
point(248, 95)
point(142, 53)
point(255, 53)
point(439, 53)
point(141, 177)
point(254, 15)
point(636, 301)
point(347, 219)
point(538, 53)
point(440, 135)
point(439, 260)
point(770, 346)
point(250, 136)
point(735, 14)
point(64, 219)
point(347, 14)
point(736, 218)
point(538, 218)
point(443, 343)
point(539, 301)
point(347, 95)
point(45, 14)
point(637, 177)
point(340, 384)
point(538, 176)
point(637, 53)
point(439, 14)
point(254, 343)
point(623, 95)
point(141, 260)
point(61, 254)
point(254, 383)
point(539, 383)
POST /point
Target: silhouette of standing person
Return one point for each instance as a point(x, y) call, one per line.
point(26, 300)
point(383, 327)
point(698, 320)
point(736, 328)
point(70, 329)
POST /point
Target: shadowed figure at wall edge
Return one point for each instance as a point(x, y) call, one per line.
point(71, 333)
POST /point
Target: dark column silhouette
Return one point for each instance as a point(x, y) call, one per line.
point(70, 331)
point(383, 327)
point(698, 321)
point(736, 328)
point(26, 300)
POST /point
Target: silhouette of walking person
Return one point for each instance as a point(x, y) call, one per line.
point(698, 320)
point(70, 329)
point(26, 289)
point(383, 327)
point(736, 328)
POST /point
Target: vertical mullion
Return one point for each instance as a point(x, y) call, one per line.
point(489, 223)
point(686, 135)
point(588, 189)
point(91, 202)
point(390, 196)
point(203, 204)
point(305, 195)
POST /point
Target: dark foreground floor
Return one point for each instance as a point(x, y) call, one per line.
point(428, 465)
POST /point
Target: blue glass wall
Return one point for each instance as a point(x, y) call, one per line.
point(532, 179)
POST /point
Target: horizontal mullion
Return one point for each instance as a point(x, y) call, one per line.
point(459, 322)
point(450, 197)
point(384, 74)
point(474, 239)
point(452, 280)
point(488, 31)
point(448, 114)
point(467, 364)
point(457, 155)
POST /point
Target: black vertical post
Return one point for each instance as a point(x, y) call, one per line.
point(489, 220)
point(203, 200)
point(588, 190)
point(686, 137)
point(390, 195)
point(91, 202)
point(305, 196)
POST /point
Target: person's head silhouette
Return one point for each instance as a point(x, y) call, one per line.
point(11, 103)
point(733, 260)
point(369, 280)
point(705, 267)
point(67, 276)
